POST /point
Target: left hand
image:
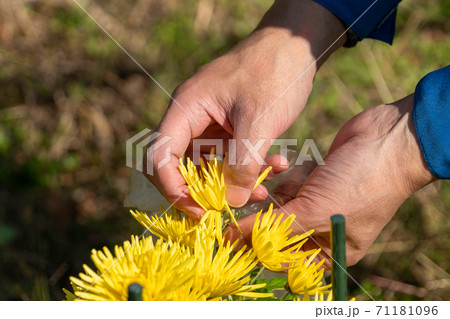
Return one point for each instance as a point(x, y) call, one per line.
point(373, 166)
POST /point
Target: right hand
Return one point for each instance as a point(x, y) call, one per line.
point(253, 92)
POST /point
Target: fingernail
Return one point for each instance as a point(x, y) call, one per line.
point(234, 236)
point(237, 196)
point(261, 191)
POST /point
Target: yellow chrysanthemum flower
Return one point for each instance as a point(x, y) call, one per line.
point(214, 222)
point(164, 270)
point(207, 186)
point(271, 243)
point(172, 225)
point(304, 276)
point(219, 273)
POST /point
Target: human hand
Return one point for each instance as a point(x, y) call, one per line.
point(252, 93)
point(373, 166)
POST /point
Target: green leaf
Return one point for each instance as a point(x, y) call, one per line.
point(276, 283)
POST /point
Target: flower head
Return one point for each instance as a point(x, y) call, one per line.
point(169, 225)
point(164, 270)
point(172, 225)
point(207, 185)
point(304, 276)
point(207, 270)
point(271, 243)
point(220, 273)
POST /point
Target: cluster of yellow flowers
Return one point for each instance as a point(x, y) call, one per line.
point(191, 260)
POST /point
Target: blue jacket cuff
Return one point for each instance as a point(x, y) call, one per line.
point(432, 120)
point(367, 18)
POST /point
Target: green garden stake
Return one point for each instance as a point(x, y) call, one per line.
point(134, 292)
point(339, 269)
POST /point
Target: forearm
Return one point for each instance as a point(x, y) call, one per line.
point(306, 33)
point(306, 22)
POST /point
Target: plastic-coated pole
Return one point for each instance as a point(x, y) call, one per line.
point(339, 268)
point(134, 292)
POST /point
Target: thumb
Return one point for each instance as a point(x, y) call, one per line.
point(244, 162)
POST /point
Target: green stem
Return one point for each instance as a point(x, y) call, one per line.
point(287, 294)
point(257, 275)
point(339, 268)
point(135, 292)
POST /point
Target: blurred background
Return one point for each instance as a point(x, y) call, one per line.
point(70, 98)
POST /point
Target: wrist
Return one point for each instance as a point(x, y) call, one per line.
point(307, 26)
point(411, 163)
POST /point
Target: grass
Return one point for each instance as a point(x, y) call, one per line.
point(69, 99)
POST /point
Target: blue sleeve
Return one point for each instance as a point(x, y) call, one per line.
point(432, 120)
point(367, 18)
